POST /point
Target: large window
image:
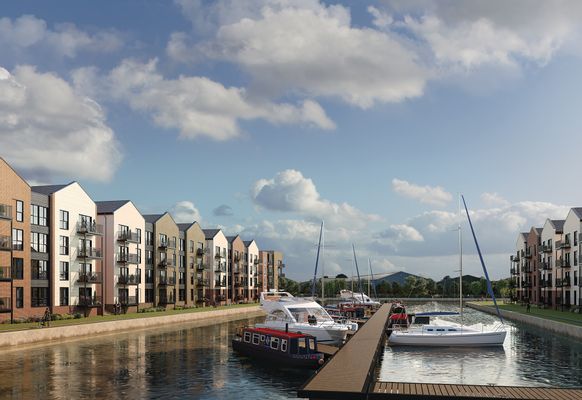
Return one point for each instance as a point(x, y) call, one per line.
point(38, 242)
point(149, 295)
point(39, 297)
point(138, 232)
point(39, 269)
point(64, 245)
point(64, 296)
point(149, 276)
point(17, 239)
point(64, 270)
point(149, 238)
point(149, 257)
point(38, 215)
point(19, 297)
point(17, 268)
point(63, 219)
point(19, 211)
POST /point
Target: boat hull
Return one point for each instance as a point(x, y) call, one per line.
point(466, 339)
point(332, 334)
point(308, 361)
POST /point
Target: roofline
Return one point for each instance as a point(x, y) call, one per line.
point(108, 213)
point(16, 172)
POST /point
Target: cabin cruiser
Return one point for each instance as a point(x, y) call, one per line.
point(446, 335)
point(347, 296)
point(295, 314)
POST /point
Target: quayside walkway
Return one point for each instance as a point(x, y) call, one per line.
point(350, 374)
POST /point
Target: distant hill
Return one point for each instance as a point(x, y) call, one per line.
point(398, 277)
point(467, 279)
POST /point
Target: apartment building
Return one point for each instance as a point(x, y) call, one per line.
point(216, 259)
point(163, 235)
point(40, 251)
point(238, 277)
point(197, 272)
point(568, 263)
point(15, 233)
point(532, 267)
point(252, 251)
point(122, 251)
point(76, 276)
point(273, 264)
point(552, 232)
point(517, 264)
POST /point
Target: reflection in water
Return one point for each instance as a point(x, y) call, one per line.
point(529, 357)
point(186, 361)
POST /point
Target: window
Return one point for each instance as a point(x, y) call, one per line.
point(149, 295)
point(149, 257)
point(39, 269)
point(163, 239)
point(138, 234)
point(19, 297)
point(182, 245)
point(64, 296)
point(63, 219)
point(191, 247)
point(284, 345)
point(255, 338)
point(149, 276)
point(182, 278)
point(39, 297)
point(124, 231)
point(182, 295)
point(17, 239)
point(275, 343)
point(64, 271)
point(247, 337)
point(575, 238)
point(149, 238)
point(19, 211)
point(64, 245)
point(575, 258)
point(18, 268)
point(38, 242)
point(138, 252)
point(38, 215)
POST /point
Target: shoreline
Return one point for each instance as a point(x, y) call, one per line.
point(547, 324)
point(10, 340)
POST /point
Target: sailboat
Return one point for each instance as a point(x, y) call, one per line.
point(453, 335)
point(359, 299)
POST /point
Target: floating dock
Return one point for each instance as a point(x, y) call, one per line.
point(350, 374)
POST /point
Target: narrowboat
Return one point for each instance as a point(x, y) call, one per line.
point(285, 348)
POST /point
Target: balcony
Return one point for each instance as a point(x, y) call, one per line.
point(527, 269)
point(514, 271)
point(202, 282)
point(89, 228)
point(219, 284)
point(5, 273)
point(527, 253)
point(199, 252)
point(546, 266)
point(526, 285)
point(5, 304)
point(128, 301)
point(546, 248)
point(220, 268)
point(563, 263)
point(562, 282)
point(128, 236)
point(163, 244)
point(128, 258)
point(89, 253)
point(165, 264)
point(164, 300)
point(256, 262)
point(546, 283)
point(86, 301)
point(5, 243)
point(132, 279)
point(167, 281)
point(200, 267)
point(562, 244)
point(511, 258)
point(40, 275)
point(5, 211)
point(237, 271)
point(90, 277)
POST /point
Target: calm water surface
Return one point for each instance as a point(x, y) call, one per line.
point(196, 362)
point(529, 357)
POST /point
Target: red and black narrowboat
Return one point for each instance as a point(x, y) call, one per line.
point(287, 348)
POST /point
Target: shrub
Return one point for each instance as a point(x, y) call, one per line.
point(77, 316)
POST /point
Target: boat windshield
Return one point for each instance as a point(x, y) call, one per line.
point(302, 314)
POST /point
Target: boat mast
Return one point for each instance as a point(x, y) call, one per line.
point(460, 261)
point(316, 262)
point(358, 272)
point(322, 265)
point(372, 277)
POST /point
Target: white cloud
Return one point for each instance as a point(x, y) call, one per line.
point(290, 191)
point(30, 32)
point(436, 196)
point(196, 106)
point(310, 49)
point(402, 233)
point(494, 199)
point(223, 210)
point(47, 130)
point(185, 212)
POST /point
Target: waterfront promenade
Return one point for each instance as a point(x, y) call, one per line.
point(30, 334)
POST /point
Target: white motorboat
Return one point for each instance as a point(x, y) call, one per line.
point(296, 314)
point(347, 296)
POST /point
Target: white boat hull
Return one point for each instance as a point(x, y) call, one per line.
point(334, 334)
point(462, 339)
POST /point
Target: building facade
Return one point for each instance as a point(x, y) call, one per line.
point(552, 233)
point(197, 272)
point(272, 262)
point(252, 251)
point(216, 259)
point(568, 272)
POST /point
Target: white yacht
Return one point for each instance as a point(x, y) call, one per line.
point(347, 296)
point(447, 335)
point(296, 314)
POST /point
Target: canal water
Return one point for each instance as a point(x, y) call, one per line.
point(193, 361)
point(529, 357)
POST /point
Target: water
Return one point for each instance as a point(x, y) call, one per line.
point(192, 361)
point(183, 362)
point(529, 357)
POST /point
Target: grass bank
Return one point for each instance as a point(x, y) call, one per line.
point(111, 317)
point(566, 317)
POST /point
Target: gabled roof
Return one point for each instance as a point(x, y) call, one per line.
point(185, 226)
point(110, 206)
point(15, 171)
point(210, 233)
point(248, 242)
point(231, 238)
point(539, 230)
point(558, 224)
point(577, 211)
point(49, 189)
point(152, 218)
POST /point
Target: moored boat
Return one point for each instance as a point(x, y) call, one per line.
point(285, 348)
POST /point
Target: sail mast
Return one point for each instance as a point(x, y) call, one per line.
point(316, 262)
point(358, 272)
point(460, 260)
point(322, 265)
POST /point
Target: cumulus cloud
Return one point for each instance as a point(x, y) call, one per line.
point(290, 191)
point(223, 210)
point(48, 131)
point(436, 196)
point(494, 199)
point(31, 33)
point(194, 105)
point(185, 212)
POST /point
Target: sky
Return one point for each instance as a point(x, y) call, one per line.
point(265, 117)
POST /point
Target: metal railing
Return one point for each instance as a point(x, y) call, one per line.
point(546, 265)
point(90, 277)
point(166, 280)
point(89, 228)
point(546, 248)
point(128, 258)
point(89, 252)
point(563, 263)
point(128, 236)
point(202, 282)
point(165, 263)
point(87, 301)
point(129, 279)
point(128, 301)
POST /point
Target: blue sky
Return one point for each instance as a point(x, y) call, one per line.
point(263, 117)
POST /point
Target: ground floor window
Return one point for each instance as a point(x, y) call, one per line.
point(19, 297)
point(149, 295)
point(39, 297)
point(64, 296)
point(182, 295)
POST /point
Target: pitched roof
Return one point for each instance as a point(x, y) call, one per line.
point(48, 189)
point(539, 230)
point(110, 206)
point(210, 233)
point(152, 218)
point(231, 238)
point(578, 211)
point(558, 224)
point(248, 242)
